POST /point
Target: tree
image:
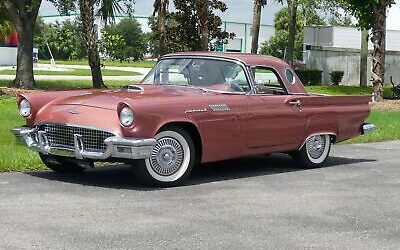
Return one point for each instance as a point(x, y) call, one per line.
point(23, 14)
point(278, 44)
point(258, 4)
point(185, 26)
point(371, 14)
point(106, 9)
point(292, 11)
point(161, 10)
point(125, 40)
point(64, 39)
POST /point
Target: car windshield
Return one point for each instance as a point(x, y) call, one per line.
point(207, 74)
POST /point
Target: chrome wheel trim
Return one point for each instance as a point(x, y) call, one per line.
point(170, 158)
point(317, 148)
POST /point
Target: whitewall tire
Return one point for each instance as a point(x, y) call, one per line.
point(171, 161)
point(314, 152)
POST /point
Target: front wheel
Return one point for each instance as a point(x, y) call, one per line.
point(171, 161)
point(314, 152)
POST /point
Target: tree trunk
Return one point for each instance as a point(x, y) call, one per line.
point(379, 40)
point(24, 77)
point(86, 8)
point(23, 15)
point(161, 22)
point(364, 58)
point(256, 26)
point(292, 11)
point(202, 14)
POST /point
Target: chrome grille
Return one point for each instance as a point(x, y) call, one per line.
point(60, 135)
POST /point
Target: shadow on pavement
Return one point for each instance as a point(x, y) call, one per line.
point(120, 176)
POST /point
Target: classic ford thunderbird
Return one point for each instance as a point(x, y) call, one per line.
point(191, 108)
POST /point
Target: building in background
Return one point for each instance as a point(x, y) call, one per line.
point(338, 49)
point(8, 50)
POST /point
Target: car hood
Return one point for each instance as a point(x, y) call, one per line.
point(109, 99)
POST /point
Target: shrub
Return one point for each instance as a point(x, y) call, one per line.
point(336, 77)
point(310, 76)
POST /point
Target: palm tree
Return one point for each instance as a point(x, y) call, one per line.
point(292, 9)
point(258, 4)
point(161, 10)
point(107, 10)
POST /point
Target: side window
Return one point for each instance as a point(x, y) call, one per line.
point(267, 81)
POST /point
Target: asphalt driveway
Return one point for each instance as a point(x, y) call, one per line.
point(253, 203)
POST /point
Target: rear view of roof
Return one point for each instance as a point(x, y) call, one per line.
point(247, 58)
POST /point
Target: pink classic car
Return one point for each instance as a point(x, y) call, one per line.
point(191, 108)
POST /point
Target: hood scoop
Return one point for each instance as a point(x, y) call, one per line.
point(133, 89)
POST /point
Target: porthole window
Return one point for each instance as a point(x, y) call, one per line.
point(290, 76)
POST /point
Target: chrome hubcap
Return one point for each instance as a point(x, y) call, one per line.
point(167, 156)
point(316, 146)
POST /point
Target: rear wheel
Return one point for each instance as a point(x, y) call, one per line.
point(171, 161)
point(314, 152)
point(61, 164)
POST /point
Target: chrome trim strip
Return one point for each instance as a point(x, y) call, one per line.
point(117, 147)
point(367, 128)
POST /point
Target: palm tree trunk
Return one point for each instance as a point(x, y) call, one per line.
point(86, 8)
point(202, 14)
point(24, 17)
point(256, 25)
point(292, 9)
point(364, 58)
point(379, 39)
point(162, 16)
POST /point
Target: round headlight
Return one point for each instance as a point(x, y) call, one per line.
point(25, 108)
point(126, 116)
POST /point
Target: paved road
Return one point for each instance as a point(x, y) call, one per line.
point(253, 203)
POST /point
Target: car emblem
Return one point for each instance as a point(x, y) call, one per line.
point(74, 112)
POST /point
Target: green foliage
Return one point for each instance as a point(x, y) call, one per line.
point(278, 43)
point(64, 39)
point(364, 10)
point(336, 77)
point(6, 25)
point(183, 31)
point(124, 41)
point(112, 45)
point(310, 76)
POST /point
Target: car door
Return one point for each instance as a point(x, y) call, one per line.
point(274, 117)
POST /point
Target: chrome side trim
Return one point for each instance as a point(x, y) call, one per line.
point(117, 147)
point(321, 133)
point(367, 128)
point(191, 111)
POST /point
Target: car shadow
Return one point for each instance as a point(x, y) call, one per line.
point(119, 176)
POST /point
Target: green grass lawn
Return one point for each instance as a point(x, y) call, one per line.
point(138, 64)
point(75, 72)
point(345, 90)
point(14, 157)
point(70, 84)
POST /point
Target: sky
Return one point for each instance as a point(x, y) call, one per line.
point(238, 10)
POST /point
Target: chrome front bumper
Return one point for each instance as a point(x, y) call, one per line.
point(367, 128)
point(117, 147)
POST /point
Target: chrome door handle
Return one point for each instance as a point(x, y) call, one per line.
point(295, 102)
